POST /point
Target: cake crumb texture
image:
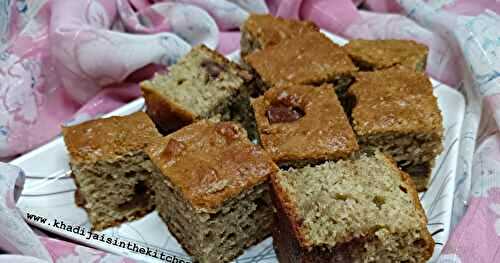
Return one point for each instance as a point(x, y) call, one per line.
point(111, 169)
point(201, 85)
point(363, 210)
point(212, 190)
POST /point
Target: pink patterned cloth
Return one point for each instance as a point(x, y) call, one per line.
point(69, 61)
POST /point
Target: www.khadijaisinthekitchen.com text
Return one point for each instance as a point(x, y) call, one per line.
point(89, 235)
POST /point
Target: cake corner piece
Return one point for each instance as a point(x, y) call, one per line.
point(370, 213)
point(382, 54)
point(107, 154)
point(407, 124)
point(211, 189)
point(310, 59)
point(201, 85)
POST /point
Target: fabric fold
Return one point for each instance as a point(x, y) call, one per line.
point(64, 62)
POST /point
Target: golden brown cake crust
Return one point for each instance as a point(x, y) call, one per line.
point(268, 30)
point(380, 54)
point(311, 58)
point(322, 133)
point(210, 163)
point(109, 138)
point(395, 100)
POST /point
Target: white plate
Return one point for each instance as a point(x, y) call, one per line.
point(49, 191)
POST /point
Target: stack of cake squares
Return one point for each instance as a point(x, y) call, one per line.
point(322, 146)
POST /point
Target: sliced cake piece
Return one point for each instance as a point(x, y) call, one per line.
point(396, 111)
point(362, 210)
point(110, 167)
point(311, 58)
point(381, 54)
point(202, 85)
point(212, 189)
point(262, 30)
point(301, 125)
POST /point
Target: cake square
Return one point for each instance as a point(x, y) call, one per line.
point(309, 59)
point(382, 54)
point(110, 168)
point(201, 85)
point(396, 111)
point(212, 190)
point(300, 124)
point(260, 31)
point(369, 211)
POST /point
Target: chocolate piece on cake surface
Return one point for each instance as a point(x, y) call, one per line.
point(361, 210)
point(110, 168)
point(260, 31)
point(212, 189)
point(300, 124)
point(382, 54)
point(311, 59)
point(201, 85)
point(396, 111)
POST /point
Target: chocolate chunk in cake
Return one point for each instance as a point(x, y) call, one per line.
point(300, 124)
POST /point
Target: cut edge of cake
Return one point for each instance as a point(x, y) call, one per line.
point(414, 143)
point(293, 244)
point(216, 82)
point(123, 172)
point(218, 217)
